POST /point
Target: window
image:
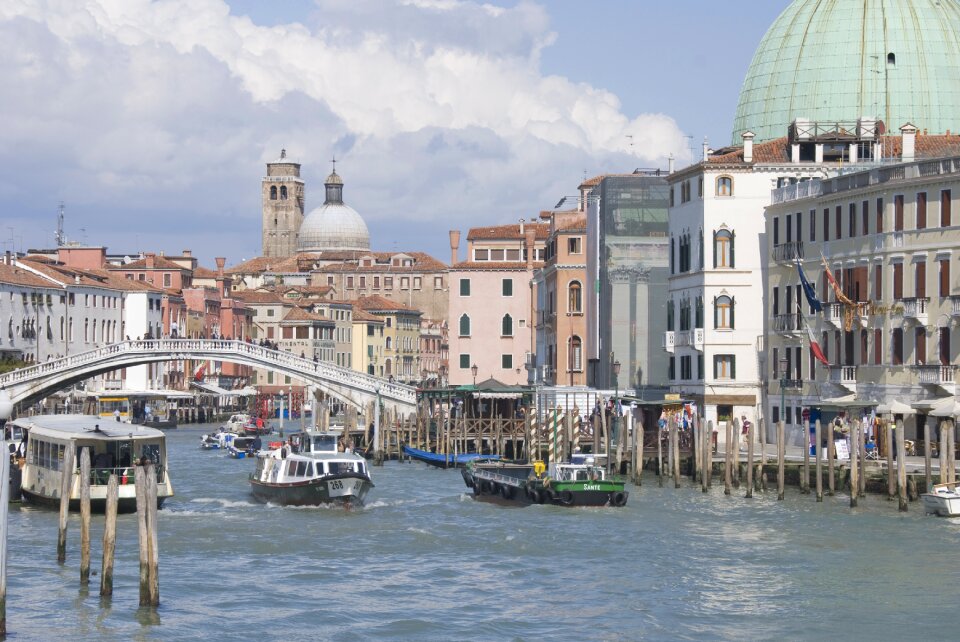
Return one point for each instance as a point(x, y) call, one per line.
point(273, 192)
point(945, 213)
point(464, 287)
point(349, 282)
point(404, 282)
point(698, 312)
point(921, 210)
point(813, 225)
point(826, 224)
point(686, 368)
point(464, 361)
point(363, 282)
point(438, 283)
point(700, 250)
point(724, 186)
point(506, 287)
point(670, 314)
point(838, 223)
point(879, 225)
point(388, 283)
point(506, 361)
point(389, 344)
point(576, 354)
point(283, 192)
point(920, 280)
point(898, 213)
point(464, 326)
point(897, 281)
point(575, 298)
point(672, 255)
point(506, 326)
point(852, 220)
point(574, 245)
point(878, 347)
point(878, 282)
point(944, 277)
point(944, 343)
point(896, 354)
point(920, 343)
point(723, 312)
point(672, 369)
point(723, 249)
point(376, 283)
point(724, 366)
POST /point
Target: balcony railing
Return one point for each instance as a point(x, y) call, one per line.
point(955, 305)
point(844, 375)
point(937, 375)
point(916, 308)
point(788, 322)
point(668, 340)
point(692, 338)
point(792, 384)
point(833, 313)
point(788, 252)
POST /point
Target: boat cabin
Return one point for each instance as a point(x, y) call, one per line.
point(578, 472)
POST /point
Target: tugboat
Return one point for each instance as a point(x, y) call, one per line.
point(310, 470)
point(579, 482)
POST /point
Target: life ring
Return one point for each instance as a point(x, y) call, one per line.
point(506, 491)
point(566, 498)
point(618, 499)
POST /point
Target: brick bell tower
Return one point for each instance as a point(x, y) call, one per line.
point(282, 194)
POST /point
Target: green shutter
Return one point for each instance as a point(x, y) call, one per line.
point(733, 366)
point(733, 239)
point(733, 306)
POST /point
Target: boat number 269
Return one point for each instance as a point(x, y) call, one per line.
point(336, 484)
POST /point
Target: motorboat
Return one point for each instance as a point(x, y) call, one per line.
point(237, 423)
point(309, 470)
point(115, 449)
point(243, 447)
point(210, 441)
point(943, 500)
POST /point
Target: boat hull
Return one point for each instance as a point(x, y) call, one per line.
point(97, 505)
point(517, 489)
point(942, 505)
point(350, 489)
point(439, 460)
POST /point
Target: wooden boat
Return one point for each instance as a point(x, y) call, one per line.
point(114, 449)
point(943, 500)
point(312, 472)
point(449, 460)
point(579, 482)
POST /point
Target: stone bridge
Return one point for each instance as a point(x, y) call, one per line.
point(28, 385)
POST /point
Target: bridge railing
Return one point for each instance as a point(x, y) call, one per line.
point(217, 349)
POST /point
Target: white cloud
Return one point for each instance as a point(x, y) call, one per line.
point(437, 107)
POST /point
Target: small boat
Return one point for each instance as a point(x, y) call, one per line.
point(243, 447)
point(210, 441)
point(449, 460)
point(943, 500)
point(236, 423)
point(311, 473)
point(115, 449)
point(579, 482)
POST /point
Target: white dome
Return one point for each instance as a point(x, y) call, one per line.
point(333, 226)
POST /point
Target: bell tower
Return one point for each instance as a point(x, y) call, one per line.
point(282, 197)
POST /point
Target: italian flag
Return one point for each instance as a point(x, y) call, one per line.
point(815, 347)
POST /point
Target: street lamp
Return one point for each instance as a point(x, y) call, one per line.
point(6, 405)
point(614, 419)
point(783, 388)
point(474, 370)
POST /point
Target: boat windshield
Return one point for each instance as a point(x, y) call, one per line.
point(325, 443)
point(335, 467)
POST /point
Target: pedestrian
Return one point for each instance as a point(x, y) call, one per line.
point(116, 414)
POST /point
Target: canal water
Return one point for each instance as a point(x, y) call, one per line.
point(423, 561)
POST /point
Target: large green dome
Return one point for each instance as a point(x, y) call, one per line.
point(838, 60)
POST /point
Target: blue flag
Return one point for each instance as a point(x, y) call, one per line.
point(808, 290)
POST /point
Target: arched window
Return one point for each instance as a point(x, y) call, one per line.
point(273, 192)
point(723, 312)
point(389, 343)
point(724, 186)
point(283, 192)
point(575, 297)
point(464, 326)
point(506, 328)
point(698, 314)
point(892, 59)
point(576, 354)
point(670, 314)
point(723, 256)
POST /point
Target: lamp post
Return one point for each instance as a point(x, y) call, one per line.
point(614, 418)
point(474, 369)
point(783, 388)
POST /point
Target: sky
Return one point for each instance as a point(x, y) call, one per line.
point(152, 121)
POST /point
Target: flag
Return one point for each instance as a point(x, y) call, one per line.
point(814, 346)
point(198, 375)
point(808, 290)
point(841, 297)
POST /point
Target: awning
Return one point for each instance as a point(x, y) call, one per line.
point(946, 407)
point(895, 407)
point(844, 403)
point(213, 389)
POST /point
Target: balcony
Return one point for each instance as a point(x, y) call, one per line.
point(845, 376)
point(689, 338)
point(792, 384)
point(955, 305)
point(668, 341)
point(938, 375)
point(787, 252)
point(788, 323)
point(916, 308)
point(833, 314)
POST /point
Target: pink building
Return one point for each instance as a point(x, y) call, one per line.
point(490, 302)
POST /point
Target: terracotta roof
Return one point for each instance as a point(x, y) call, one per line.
point(159, 263)
point(258, 264)
point(511, 232)
point(515, 266)
point(313, 261)
point(307, 290)
point(365, 317)
point(18, 276)
point(204, 273)
point(778, 150)
point(68, 275)
point(378, 303)
point(262, 297)
point(768, 152)
point(590, 182)
point(129, 285)
point(579, 224)
point(299, 314)
point(927, 146)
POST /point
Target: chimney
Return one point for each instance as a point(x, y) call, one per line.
point(530, 238)
point(706, 150)
point(7, 261)
point(161, 253)
point(221, 261)
point(670, 164)
point(187, 253)
point(909, 137)
point(454, 246)
point(521, 227)
point(748, 137)
point(150, 258)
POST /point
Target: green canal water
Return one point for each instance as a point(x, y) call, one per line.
point(423, 561)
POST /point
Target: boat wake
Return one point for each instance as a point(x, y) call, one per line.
point(225, 503)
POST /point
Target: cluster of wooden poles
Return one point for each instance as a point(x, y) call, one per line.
point(702, 469)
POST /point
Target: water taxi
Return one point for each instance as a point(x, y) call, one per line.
point(310, 470)
point(115, 448)
point(943, 500)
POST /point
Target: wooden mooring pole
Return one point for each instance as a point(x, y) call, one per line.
point(735, 460)
point(831, 456)
point(927, 471)
point(901, 468)
point(676, 455)
point(819, 464)
point(781, 453)
point(891, 472)
point(66, 482)
point(727, 458)
point(109, 536)
point(147, 536)
point(85, 516)
point(854, 468)
point(805, 481)
point(749, 460)
point(659, 456)
point(943, 447)
point(706, 459)
point(695, 450)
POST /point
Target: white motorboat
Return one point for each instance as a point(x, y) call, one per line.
point(237, 423)
point(943, 499)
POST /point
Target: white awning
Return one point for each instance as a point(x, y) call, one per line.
point(212, 388)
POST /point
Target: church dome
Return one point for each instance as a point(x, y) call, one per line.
point(333, 225)
point(896, 60)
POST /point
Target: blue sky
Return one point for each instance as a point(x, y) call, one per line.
point(152, 121)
